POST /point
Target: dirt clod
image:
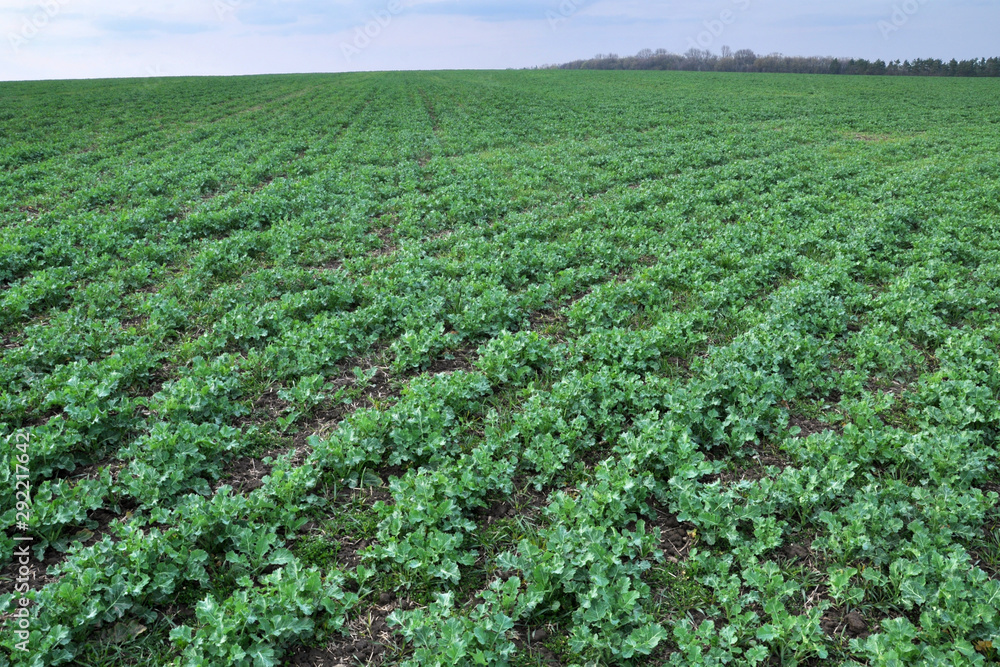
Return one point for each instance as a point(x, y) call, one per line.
point(856, 624)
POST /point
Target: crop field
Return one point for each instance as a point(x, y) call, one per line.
point(500, 368)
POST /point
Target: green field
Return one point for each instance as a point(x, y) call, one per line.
point(502, 368)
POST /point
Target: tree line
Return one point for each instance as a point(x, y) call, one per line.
point(745, 60)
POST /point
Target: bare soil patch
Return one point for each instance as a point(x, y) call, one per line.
point(837, 622)
point(369, 639)
point(808, 425)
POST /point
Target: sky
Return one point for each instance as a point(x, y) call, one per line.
point(72, 39)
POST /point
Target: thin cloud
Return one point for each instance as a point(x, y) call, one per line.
point(143, 26)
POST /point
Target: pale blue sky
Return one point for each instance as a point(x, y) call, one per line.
point(44, 39)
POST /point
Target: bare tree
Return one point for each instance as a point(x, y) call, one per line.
point(746, 60)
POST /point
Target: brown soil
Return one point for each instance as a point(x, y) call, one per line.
point(332, 265)
point(809, 425)
point(498, 510)
point(246, 475)
point(9, 342)
point(554, 314)
point(347, 550)
point(871, 138)
point(133, 322)
point(852, 625)
point(93, 470)
point(368, 639)
point(431, 112)
point(754, 467)
point(675, 536)
point(157, 378)
point(529, 642)
point(388, 246)
point(38, 576)
point(461, 359)
point(526, 500)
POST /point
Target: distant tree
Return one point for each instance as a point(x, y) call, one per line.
point(858, 66)
point(966, 68)
point(698, 60)
point(725, 64)
point(745, 60)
